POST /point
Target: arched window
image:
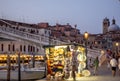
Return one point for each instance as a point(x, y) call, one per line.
point(24, 48)
point(28, 48)
point(8, 47)
point(31, 49)
point(37, 49)
point(20, 47)
point(2, 47)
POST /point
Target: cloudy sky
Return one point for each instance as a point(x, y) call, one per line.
point(87, 14)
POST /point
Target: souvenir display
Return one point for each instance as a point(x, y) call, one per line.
point(86, 72)
point(63, 58)
point(56, 58)
point(81, 57)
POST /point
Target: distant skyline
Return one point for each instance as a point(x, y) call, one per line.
point(87, 14)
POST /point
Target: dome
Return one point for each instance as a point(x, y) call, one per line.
point(113, 27)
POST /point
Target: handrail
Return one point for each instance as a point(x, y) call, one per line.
point(24, 35)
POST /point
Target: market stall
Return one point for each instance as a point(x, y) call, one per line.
point(62, 58)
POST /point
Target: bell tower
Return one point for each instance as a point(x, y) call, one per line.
point(106, 24)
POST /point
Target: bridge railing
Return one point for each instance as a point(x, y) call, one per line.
point(94, 52)
point(24, 35)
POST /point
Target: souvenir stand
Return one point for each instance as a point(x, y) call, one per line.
point(60, 60)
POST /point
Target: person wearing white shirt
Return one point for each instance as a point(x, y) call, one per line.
point(113, 63)
point(119, 65)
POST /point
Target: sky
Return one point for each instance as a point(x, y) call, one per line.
point(88, 15)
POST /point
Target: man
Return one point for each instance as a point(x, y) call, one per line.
point(113, 63)
point(73, 72)
point(96, 64)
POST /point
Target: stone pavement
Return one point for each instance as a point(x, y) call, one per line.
point(104, 74)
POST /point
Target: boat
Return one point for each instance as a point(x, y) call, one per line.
point(26, 73)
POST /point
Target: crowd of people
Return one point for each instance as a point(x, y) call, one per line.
point(113, 62)
point(111, 58)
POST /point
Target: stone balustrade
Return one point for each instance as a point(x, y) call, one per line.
point(25, 35)
point(94, 52)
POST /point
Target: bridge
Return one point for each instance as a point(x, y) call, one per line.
point(9, 32)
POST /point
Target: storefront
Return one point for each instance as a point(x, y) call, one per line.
point(62, 58)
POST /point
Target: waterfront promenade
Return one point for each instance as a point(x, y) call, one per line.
point(104, 74)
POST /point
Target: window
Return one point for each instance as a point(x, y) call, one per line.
point(2, 47)
point(28, 48)
point(45, 32)
point(33, 49)
point(37, 50)
point(24, 48)
point(20, 47)
point(9, 47)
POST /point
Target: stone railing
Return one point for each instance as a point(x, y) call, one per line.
point(94, 52)
point(28, 36)
point(24, 35)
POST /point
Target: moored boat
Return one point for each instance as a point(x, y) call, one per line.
point(26, 74)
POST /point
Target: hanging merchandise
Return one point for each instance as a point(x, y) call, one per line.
point(62, 58)
point(81, 57)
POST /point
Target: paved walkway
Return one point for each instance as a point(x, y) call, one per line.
point(104, 74)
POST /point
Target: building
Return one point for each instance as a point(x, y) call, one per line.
point(28, 39)
point(109, 39)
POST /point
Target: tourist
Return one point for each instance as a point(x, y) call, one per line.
point(108, 57)
point(73, 72)
point(90, 62)
point(119, 65)
point(113, 63)
point(96, 64)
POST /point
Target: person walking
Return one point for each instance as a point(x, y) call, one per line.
point(96, 64)
point(119, 65)
point(73, 72)
point(113, 63)
point(108, 57)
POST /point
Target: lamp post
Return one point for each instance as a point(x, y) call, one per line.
point(86, 38)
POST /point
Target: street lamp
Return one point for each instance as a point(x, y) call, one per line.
point(117, 44)
point(86, 38)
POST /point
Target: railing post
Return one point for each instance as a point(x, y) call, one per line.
point(19, 68)
point(8, 67)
